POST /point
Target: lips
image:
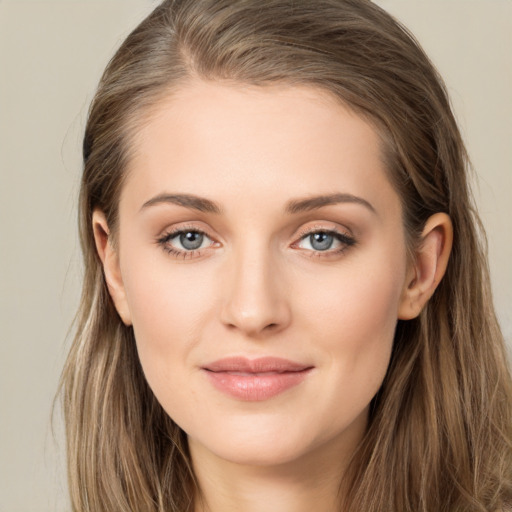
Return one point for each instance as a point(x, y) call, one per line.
point(256, 379)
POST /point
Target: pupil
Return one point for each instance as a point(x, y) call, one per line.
point(321, 241)
point(191, 240)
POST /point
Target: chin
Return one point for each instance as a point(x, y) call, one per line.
point(250, 453)
point(259, 443)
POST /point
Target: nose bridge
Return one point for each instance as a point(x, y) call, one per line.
point(255, 296)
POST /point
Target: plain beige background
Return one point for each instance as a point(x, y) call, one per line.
point(51, 56)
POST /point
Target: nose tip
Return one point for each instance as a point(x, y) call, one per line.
point(255, 299)
point(252, 322)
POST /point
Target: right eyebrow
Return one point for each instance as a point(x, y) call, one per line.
point(193, 202)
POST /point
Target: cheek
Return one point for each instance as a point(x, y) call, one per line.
point(358, 302)
point(168, 305)
point(354, 318)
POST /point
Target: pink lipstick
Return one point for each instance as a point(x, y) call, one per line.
point(256, 379)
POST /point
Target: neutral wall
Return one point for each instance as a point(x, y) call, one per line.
point(51, 55)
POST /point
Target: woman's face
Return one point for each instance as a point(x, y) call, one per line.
point(262, 263)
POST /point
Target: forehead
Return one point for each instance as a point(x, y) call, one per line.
point(222, 139)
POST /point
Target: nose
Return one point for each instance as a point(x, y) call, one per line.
point(255, 299)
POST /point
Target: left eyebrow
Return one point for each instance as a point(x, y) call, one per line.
point(313, 203)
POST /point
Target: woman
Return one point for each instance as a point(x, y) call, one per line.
point(286, 302)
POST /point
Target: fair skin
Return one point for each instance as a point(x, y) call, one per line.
point(259, 275)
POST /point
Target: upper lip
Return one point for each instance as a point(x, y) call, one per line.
point(259, 365)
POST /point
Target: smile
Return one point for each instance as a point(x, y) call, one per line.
point(255, 380)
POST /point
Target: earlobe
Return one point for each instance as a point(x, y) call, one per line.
point(429, 266)
point(111, 269)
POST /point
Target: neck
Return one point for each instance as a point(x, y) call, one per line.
point(314, 481)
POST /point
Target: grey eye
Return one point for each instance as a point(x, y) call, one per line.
point(191, 240)
point(321, 241)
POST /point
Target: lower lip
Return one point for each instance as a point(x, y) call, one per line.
point(256, 387)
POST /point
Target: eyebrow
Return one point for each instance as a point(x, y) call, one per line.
point(187, 200)
point(292, 207)
point(313, 203)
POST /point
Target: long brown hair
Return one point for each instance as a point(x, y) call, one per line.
point(440, 430)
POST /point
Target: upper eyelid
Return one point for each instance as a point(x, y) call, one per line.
point(331, 229)
point(173, 231)
point(301, 233)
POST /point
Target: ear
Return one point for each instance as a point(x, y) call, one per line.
point(109, 258)
point(428, 267)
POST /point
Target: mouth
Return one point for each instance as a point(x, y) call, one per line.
point(256, 379)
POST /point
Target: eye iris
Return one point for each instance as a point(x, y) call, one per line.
point(321, 241)
point(191, 240)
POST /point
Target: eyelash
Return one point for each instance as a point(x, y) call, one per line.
point(346, 240)
point(164, 240)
